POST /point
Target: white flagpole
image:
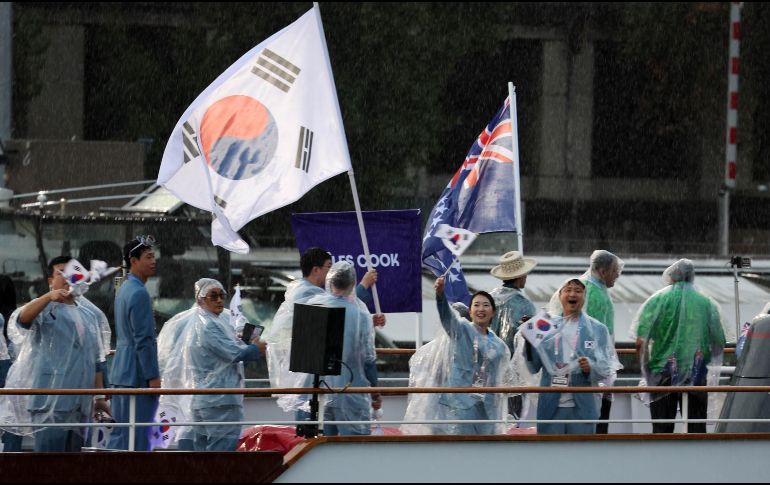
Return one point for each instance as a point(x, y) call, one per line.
point(516, 176)
point(352, 177)
point(363, 237)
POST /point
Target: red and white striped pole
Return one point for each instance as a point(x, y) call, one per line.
point(731, 152)
point(731, 149)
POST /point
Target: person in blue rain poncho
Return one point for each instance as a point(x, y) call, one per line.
point(466, 354)
point(579, 353)
point(315, 264)
point(358, 354)
point(200, 350)
point(58, 345)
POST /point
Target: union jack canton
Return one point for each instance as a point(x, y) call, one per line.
point(480, 197)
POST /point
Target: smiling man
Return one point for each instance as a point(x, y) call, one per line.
point(136, 355)
point(578, 354)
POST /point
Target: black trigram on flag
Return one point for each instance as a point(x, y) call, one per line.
point(190, 142)
point(304, 149)
point(220, 202)
point(276, 70)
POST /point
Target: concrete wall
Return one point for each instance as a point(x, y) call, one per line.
point(57, 112)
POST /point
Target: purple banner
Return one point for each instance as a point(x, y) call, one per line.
point(395, 244)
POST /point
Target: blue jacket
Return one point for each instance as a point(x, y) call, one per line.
point(136, 354)
point(592, 341)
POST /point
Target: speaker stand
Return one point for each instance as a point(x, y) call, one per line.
point(311, 430)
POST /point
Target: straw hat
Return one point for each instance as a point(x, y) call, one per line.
point(513, 265)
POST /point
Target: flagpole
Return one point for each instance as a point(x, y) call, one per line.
point(352, 177)
point(516, 176)
point(365, 243)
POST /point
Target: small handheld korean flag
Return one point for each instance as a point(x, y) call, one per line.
point(163, 434)
point(537, 328)
point(236, 310)
point(76, 276)
point(457, 240)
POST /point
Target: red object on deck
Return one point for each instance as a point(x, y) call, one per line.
point(269, 438)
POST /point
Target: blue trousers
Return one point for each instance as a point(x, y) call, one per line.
point(59, 439)
point(476, 412)
point(566, 428)
point(217, 437)
point(343, 414)
point(11, 442)
point(146, 406)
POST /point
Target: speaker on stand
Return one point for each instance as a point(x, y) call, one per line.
point(317, 337)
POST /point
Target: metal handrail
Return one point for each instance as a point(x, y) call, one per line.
point(383, 390)
point(132, 423)
point(390, 351)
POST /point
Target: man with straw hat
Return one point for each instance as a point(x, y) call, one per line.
point(512, 307)
point(511, 303)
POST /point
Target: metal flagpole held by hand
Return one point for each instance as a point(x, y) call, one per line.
point(363, 238)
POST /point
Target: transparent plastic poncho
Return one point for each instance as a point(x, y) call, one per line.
point(575, 338)
point(512, 306)
point(358, 345)
point(459, 357)
point(278, 339)
point(173, 363)
point(521, 376)
point(105, 333)
point(4, 353)
point(59, 350)
point(682, 333)
point(602, 351)
point(198, 349)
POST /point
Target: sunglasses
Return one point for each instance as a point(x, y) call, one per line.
point(148, 241)
point(217, 296)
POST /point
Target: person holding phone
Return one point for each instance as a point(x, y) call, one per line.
point(201, 350)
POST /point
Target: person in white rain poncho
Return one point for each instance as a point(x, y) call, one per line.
point(315, 264)
point(60, 346)
point(680, 340)
point(200, 350)
point(579, 353)
point(358, 355)
point(466, 354)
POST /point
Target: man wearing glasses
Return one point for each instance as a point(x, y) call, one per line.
point(136, 356)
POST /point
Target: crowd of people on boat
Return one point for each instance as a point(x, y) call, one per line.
point(61, 340)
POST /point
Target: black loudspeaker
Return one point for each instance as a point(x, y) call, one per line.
point(316, 339)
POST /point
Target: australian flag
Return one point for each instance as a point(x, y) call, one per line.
point(480, 198)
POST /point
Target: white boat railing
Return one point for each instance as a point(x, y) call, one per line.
point(133, 424)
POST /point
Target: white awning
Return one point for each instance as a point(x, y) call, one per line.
point(630, 291)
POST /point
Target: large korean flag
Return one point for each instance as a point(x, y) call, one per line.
point(261, 135)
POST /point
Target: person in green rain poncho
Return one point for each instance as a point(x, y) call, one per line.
point(680, 340)
point(604, 271)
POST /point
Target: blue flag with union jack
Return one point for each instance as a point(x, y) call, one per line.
point(480, 198)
